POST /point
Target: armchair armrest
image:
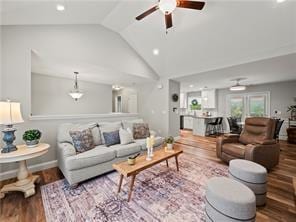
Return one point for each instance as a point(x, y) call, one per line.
point(66, 149)
point(264, 154)
point(266, 142)
point(230, 138)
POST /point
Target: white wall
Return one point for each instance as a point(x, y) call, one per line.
point(50, 96)
point(91, 44)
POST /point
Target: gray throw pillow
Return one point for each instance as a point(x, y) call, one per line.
point(111, 138)
point(82, 140)
point(141, 130)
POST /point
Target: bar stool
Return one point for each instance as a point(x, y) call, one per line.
point(211, 128)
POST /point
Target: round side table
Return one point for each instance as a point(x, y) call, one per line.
point(25, 180)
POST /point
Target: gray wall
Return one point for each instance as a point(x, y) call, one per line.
point(174, 117)
point(153, 105)
point(50, 96)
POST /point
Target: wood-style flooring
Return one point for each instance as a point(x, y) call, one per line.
point(280, 196)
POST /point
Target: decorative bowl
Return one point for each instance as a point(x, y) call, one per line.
point(131, 161)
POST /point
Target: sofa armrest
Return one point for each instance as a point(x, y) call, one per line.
point(66, 149)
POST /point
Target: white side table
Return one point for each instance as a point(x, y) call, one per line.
point(25, 180)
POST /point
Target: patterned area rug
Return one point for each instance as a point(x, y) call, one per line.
point(160, 194)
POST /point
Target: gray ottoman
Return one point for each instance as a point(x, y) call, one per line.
point(252, 175)
point(229, 200)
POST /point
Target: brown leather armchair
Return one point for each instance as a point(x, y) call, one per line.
point(255, 143)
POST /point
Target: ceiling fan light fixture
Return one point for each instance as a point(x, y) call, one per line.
point(238, 88)
point(167, 6)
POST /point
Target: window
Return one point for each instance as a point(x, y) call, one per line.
point(248, 104)
point(236, 104)
point(194, 103)
point(257, 105)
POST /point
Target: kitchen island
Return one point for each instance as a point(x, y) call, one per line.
point(200, 124)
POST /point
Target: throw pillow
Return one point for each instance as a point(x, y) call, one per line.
point(82, 140)
point(141, 130)
point(111, 138)
point(125, 136)
point(109, 127)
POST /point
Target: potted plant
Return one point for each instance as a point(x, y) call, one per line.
point(32, 137)
point(169, 141)
point(292, 109)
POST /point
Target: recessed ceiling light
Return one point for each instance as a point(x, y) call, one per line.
point(60, 7)
point(280, 1)
point(155, 51)
point(191, 86)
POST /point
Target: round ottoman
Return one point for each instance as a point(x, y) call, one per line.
point(252, 175)
point(229, 200)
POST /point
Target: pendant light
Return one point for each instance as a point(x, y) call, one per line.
point(238, 86)
point(76, 93)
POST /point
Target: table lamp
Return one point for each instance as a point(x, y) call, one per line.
point(10, 113)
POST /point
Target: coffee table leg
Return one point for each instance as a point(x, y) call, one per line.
point(131, 187)
point(177, 163)
point(120, 183)
point(167, 163)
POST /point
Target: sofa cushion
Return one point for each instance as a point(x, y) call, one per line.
point(157, 142)
point(64, 132)
point(125, 150)
point(141, 130)
point(108, 127)
point(234, 149)
point(111, 138)
point(97, 155)
point(82, 140)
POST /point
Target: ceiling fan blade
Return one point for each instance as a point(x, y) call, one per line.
point(190, 4)
point(168, 21)
point(148, 12)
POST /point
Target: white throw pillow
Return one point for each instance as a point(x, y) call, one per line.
point(126, 136)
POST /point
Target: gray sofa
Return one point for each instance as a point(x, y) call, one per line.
point(78, 167)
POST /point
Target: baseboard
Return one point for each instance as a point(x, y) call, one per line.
point(33, 168)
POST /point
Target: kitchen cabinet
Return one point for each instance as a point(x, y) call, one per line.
point(188, 122)
point(208, 99)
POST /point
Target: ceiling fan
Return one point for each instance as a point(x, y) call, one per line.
point(168, 6)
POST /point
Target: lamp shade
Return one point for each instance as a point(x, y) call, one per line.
point(10, 113)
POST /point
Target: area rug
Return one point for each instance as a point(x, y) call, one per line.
point(160, 194)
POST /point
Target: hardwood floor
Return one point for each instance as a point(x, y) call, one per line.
point(280, 196)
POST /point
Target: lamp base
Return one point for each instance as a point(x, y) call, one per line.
point(8, 138)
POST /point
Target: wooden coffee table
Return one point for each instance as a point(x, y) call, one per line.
point(124, 169)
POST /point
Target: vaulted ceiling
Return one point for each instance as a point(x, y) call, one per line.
point(225, 33)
